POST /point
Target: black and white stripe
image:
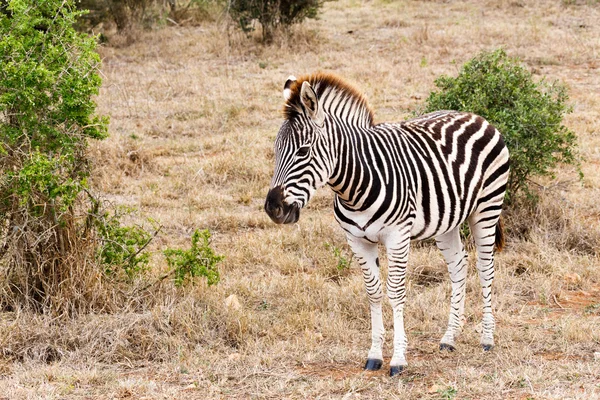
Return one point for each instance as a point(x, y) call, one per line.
point(394, 182)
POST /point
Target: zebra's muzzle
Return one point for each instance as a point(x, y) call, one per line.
point(280, 212)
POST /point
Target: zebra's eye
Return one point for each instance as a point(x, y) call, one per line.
point(303, 151)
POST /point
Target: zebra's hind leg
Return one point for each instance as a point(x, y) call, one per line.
point(454, 253)
point(398, 247)
point(367, 256)
point(483, 229)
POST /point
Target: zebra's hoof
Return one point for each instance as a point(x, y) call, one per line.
point(373, 364)
point(446, 346)
point(487, 347)
point(396, 370)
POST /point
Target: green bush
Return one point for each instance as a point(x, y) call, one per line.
point(199, 260)
point(48, 77)
point(272, 14)
point(529, 114)
point(122, 248)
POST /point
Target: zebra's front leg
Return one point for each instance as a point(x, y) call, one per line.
point(454, 253)
point(366, 255)
point(397, 252)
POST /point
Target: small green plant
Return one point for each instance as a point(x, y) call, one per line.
point(521, 382)
point(272, 14)
point(448, 393)
point(122, 247)
point(529, 114)
point(592, 309)
point(199, 260)
point(343, 263)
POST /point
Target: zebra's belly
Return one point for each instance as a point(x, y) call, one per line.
point(423, 219)
point(373, 233)
point(438, 224)
point(361, 224)
point(378, 230)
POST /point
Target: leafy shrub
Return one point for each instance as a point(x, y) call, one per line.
point(529, 114)
point(121, 247)
point(272, 14)
point(199, 260)
point(48, 76)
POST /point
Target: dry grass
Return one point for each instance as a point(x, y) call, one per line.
point(194, 112)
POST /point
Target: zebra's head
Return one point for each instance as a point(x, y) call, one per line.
point(301, 165)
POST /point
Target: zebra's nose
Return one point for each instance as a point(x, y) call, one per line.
point(273, 209)
point(274, 203)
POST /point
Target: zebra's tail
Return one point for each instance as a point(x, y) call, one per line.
point(499, 235)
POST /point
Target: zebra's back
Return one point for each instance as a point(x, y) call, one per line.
point(455, 161)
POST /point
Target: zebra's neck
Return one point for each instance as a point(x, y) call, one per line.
point(349, 176)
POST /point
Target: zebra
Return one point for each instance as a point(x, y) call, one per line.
point(393, 183)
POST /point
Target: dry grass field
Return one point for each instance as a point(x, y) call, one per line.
point(194, 113)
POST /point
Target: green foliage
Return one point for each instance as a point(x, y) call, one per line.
point(448, 393)
point(343, 263)
point(529, 114)
point(48, 75)
point(272, 14)
point(592, 309)
point(199, 260)
point(122, 247)
point(41, 174)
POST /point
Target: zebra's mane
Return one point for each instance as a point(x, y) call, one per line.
point(335, 90)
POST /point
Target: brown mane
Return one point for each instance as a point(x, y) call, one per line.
point(321, 81)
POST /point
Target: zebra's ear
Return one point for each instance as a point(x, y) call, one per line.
point(287, 92)
point(309, 100)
